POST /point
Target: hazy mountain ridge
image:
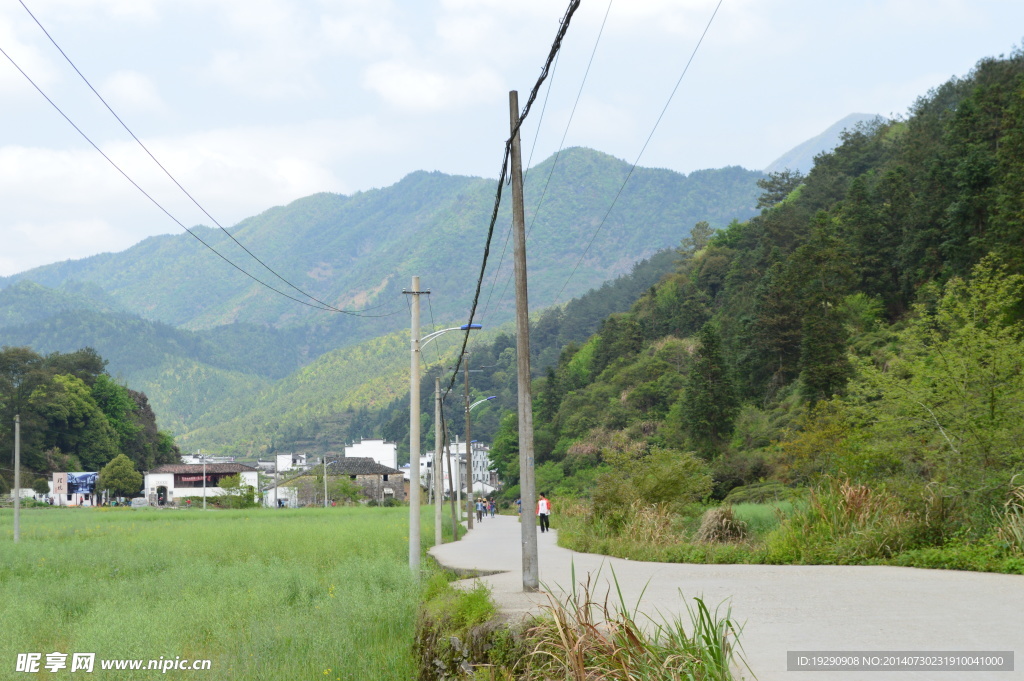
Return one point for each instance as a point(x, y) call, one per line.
point(362, 249)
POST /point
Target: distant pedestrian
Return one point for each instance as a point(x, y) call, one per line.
point(493, 507)
point(544, 513)
point(519, 506)
point(479, 510)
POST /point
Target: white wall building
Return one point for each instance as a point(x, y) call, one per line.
point(164, 485)
point(383, 452)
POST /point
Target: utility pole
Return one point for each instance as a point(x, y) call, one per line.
point(451, 486)
point(325, 479)
point(17, 478)
point(204, 479)
point(438, 482)
point(414, 429)
point(531, 572)
point(469, 445)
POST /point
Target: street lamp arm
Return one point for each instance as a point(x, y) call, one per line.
point(479, 402)
point(432, 336)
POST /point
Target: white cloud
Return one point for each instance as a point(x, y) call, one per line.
point(131, 90)
point(415, 88)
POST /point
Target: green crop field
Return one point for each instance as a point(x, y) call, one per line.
point(263, 594)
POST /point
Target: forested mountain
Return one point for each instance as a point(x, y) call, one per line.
point(199, 337)
point(362, 391)
point(360, 251)
point(867, 327)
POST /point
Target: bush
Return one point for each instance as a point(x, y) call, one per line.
point(842, 524)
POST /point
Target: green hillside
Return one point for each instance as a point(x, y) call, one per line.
point(361, 250)
point(199, 337)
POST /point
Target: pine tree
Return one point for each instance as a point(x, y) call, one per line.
point(709, 404)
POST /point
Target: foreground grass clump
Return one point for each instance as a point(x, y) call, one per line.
point(578, 637)
point(263, 594)
point(588, 639)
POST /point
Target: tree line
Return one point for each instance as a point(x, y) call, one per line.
point(74, 416)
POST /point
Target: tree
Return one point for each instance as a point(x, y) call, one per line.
point(777, 186)
point(709, 403)
point(949, 409)
point(120, 478)
point(236, 493)
point(76, 423)
point(505, 450)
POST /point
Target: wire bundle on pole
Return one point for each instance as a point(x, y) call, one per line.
point(552, 53)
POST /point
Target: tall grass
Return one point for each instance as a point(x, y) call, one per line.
point(591, 639)
point(264, 594)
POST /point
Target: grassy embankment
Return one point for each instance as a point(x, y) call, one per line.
point(837, 524)
point(293, 594)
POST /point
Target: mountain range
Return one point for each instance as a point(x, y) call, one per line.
point(201, 338)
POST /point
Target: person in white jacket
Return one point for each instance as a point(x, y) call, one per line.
point(544, 513)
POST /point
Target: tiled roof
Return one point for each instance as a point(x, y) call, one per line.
point(359, 465)
point(179, 468)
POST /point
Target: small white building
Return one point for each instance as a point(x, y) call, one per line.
point(293, 461)
point(164, 485)
point(383, 452)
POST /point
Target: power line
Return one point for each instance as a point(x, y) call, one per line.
point(555, 46)
point(642, 149)
point(325, 305)
point(561, 146)
point(164, 210)
point(508, 234)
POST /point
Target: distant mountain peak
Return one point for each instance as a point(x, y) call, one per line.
point(801, 157)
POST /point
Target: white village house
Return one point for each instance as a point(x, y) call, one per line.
point(165, 484)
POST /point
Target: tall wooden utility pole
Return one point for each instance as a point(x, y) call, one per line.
point(527, 483)
point(414, 429)
point(17, 478)
point(437, 476)
point(469, 446)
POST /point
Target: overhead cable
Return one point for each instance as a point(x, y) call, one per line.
point(322, 304)
point(554, 163)
point(552, 53)
point(642, 149)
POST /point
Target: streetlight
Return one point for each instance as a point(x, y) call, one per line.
point(469, 452)
point(416, 344)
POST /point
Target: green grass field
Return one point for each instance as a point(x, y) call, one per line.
point(264, 594)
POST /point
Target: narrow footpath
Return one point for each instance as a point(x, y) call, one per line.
point(781, 607)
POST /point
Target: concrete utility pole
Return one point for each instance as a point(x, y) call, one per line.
point(414, 429)
point(204, 479)
point(438, 482)
point(325, 480)
point(451, 486)
point(531, 571)
point(469, 445)
point(17, 478)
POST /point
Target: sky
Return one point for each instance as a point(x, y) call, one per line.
point(255, 103)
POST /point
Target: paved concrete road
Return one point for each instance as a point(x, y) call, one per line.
point(782, 608)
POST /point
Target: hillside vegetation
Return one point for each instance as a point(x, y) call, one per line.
point(862, 339)
point(73, 417)
point(201, 339)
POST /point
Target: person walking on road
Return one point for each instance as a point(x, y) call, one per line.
point(479, 510)
point(543, 512)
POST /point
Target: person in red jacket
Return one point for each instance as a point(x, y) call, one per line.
point(544, 512)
